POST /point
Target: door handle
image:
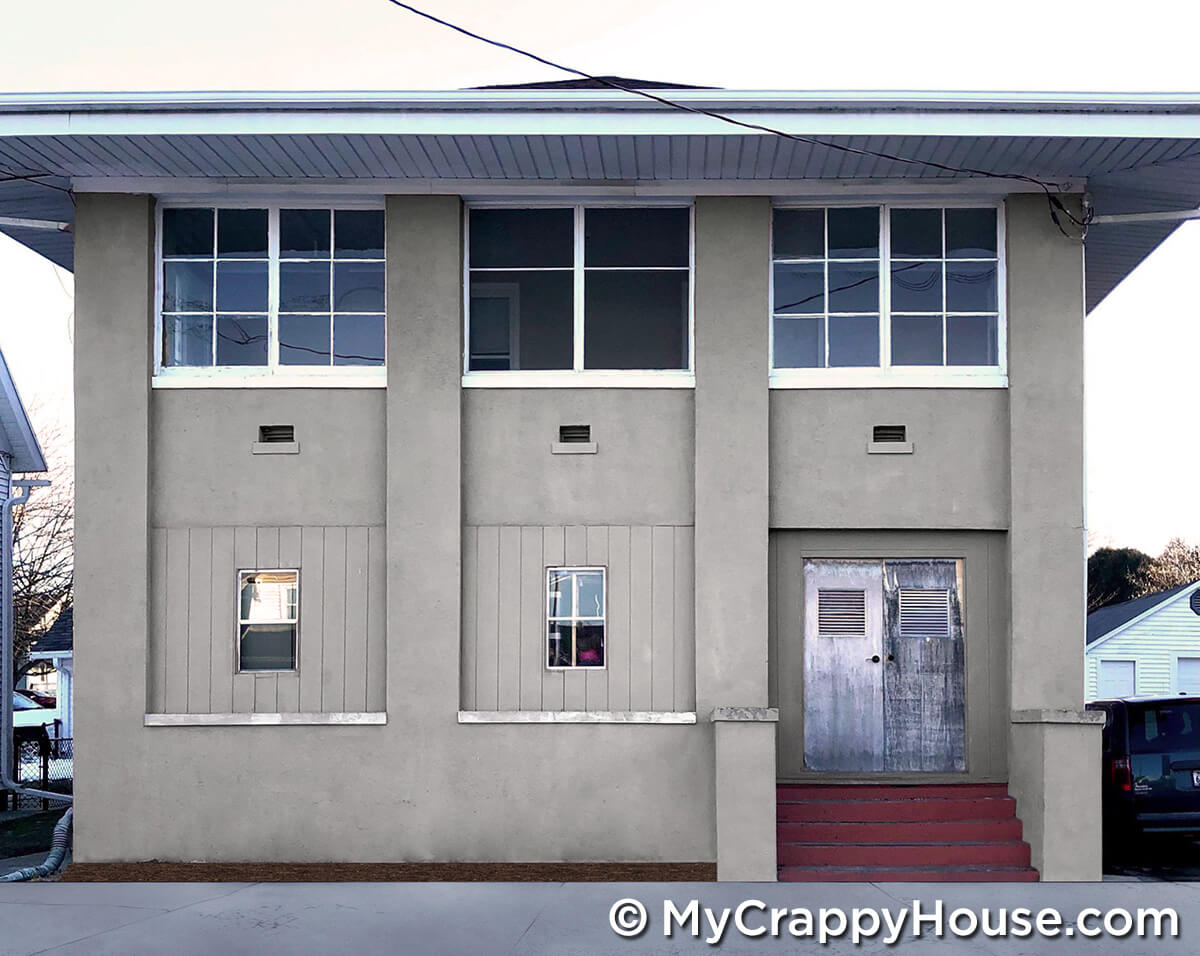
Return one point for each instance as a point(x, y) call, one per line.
point(874, 658)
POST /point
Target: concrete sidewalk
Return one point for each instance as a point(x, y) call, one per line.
point(492, 918)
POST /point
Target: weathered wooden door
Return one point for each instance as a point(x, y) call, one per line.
point(843, 692)
point(883, 666)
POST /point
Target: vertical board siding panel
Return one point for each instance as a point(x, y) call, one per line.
point(287, 686)
point(376, 662)
point(998, 644)
point(596, 686)
point(223, 600)
point(641, 661)
point(356, 620)
point(245, 558)
point(266, 687)
point(553, 553)
point(268, 548)
point(156, 659)
point(508, 693)
point(312, 618)
point(575, 681)
point(533, 618)
point(266, 694)
point(617, 635)
point(470, 627)
point(333, 631)
point(176, 683)
point(199, 619)
point(685, 624)
point(487, 620)
point(662, 620)
point(773, 619)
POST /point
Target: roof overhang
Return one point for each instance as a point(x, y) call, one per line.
point(16, 431)
point(1130, 152)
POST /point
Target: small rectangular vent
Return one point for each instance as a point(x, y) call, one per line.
point(270, 434)
point(889, 433)
point(841, 612)
point(570, 434)
point(924, 612)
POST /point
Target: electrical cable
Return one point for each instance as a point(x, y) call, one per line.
point(1056, 205)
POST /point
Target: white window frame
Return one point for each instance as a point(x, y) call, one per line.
point(1100, 661)
point(578, 376)
point(885, 375)
point(1176, 683)
point(271, 375)
point(574, 617)
point(238, 622)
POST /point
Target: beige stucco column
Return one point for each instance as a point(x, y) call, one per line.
point(1054, 746)
point(114, 283)
point(732, 315)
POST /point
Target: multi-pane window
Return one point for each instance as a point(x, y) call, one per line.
point(272, 287)
point(886, 287)
point(268, 615)
point(575, 617)
point(579, 289)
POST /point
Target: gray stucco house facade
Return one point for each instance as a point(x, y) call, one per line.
point(549, 475)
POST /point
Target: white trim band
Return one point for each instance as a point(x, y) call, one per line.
point(576, 717)
point(338, 719)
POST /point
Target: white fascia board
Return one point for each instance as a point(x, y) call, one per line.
point(1185, 593)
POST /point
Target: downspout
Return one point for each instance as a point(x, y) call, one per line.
point(6, 647)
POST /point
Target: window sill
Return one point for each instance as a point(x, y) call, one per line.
point(575, 717)
point(568, 379)
point(373, 377)
point(888, 378)
point(376, 718)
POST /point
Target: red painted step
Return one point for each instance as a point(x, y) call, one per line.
point(1012, 853)
point(933, 831)
point(894, 810)
point(913, 874)
point(788, 792)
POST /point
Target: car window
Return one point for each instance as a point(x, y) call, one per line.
point(24, 703)
point(1164, 727)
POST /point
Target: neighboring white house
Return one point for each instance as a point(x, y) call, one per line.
point(1149, 646)
point(57, 647)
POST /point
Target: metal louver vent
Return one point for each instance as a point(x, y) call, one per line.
point(276, 433)
point(889, 433)
point(574, 433)
point(924, 612)
point(1194, 602)
point(841, 612)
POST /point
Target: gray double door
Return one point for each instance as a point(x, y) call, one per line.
point(883, 666)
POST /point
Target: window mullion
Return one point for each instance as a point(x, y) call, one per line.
point(273, 288)
point(215, 257)
point(885, 282)
point(578, 296)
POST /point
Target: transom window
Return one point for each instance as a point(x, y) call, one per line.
point(575, 617)
point(898, 289)
point(272, 289)
point(268, 616)
point(578, 289)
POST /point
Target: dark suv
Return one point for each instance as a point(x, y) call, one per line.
point(1151, 768)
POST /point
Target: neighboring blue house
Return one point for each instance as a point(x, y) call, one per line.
point(57, 647)
point(1149, 646)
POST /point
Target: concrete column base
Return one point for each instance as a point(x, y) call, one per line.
point(745, 790)
point(1054, 775)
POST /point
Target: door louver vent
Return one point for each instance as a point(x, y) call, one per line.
point(889, 433)
point(1195, 601)
point(924, 612)
point(276, 433)
point(841, 612)
point(574, 433)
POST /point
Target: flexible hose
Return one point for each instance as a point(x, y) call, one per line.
point(58, 851)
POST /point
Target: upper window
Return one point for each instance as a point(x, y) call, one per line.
point(271, 290)
point(575, 612)
point(268, 613)
point(900, 290)
point(605, 289)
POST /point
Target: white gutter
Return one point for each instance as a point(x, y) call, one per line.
point(46, 224)
point(1174, 216)
point(6, 647)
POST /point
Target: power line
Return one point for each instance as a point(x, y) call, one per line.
point(1048, 187)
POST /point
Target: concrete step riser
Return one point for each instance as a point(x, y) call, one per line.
point(892, 811)
point(884, 855)
point(964, 831)
point(933, 875)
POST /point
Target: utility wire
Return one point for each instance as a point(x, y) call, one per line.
point(1048, 187)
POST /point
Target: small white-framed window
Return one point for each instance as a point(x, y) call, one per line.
point(575, 617)
point(1187, 673)
point(269, 295)
point(268, 619)
point(887, 294)
point(1116, 678)
point(560, 295)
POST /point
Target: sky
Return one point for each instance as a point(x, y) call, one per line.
point(1143, 341)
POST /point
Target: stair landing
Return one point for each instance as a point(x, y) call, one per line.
point(885, 833)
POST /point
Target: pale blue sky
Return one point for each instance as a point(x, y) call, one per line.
point(1143, 342)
